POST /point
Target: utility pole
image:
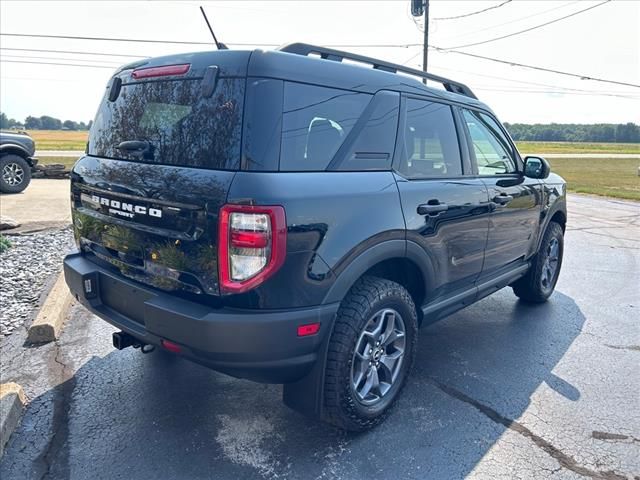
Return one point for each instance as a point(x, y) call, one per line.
point(418, 9)
point(426, 38)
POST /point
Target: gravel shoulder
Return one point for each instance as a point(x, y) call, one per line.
point(25, 269)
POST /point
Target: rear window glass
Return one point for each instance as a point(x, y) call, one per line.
point(173, 123)
point(315, 122)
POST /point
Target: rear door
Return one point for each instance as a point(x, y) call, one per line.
point(162, 153)
point(515, 199)
point(445, 209)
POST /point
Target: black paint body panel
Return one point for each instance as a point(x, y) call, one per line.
point(148, 230)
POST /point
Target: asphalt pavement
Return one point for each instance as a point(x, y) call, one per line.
point(499, 390)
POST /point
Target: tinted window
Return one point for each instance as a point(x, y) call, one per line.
point(315, 122)
point(430, 141)
point(262, 124)
point(490, 147)
point(372, 149)
point(178, 125)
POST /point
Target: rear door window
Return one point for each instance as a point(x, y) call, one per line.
point(173, 123)
point(431, 146)
point(315, 122)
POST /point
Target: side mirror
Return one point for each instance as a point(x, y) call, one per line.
point(536, 167)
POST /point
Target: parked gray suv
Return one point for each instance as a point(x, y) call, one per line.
point(16, 161)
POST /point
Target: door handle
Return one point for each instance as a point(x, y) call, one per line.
point(433, 209)
point(502, 199)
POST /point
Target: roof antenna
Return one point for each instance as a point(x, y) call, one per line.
point(220, 45)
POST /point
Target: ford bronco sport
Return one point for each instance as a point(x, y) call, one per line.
point(290, 217)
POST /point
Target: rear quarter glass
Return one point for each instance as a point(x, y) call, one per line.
point(315, 122)
point(290, 127)
point(181, 126)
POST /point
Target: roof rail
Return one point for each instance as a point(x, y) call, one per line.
point(338, 56)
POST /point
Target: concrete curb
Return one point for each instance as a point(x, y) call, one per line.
point(12, 403)
point(48, 324)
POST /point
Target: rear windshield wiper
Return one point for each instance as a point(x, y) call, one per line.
point(140, 148)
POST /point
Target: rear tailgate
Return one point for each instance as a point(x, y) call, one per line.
point(161, 156)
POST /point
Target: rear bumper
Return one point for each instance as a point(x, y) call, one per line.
point(260, 345)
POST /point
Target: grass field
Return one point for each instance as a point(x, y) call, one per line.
point(614, 177)
point(59, 139)
point(574, 147)
point(77, 140)
point(611, 177)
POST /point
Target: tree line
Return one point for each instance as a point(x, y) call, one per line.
point(552, 132)
point(575, 132)
point(44, 122)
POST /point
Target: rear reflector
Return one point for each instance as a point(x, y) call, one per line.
point(164, 71)
point(172, 347)
point(242, 239)
point(309, 329)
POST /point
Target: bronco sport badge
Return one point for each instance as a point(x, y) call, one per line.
point(124, 209)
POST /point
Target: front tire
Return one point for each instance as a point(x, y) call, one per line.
point(15, 174)
point(540, 281)
point(370, 353)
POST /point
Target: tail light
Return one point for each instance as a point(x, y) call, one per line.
point(252, 242)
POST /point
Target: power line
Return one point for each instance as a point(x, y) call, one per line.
point(60, 64)
point(542, 69)
point(530, 28)
point(403, 45)
point(559, 92)
point(71, 37)
point(474, 13)
point(567, 90)
point(525, 82)
point(72, 52)
point(516, 20)
point(33, 57)
point(45, 79)
point(181, 42)
point(479, 88)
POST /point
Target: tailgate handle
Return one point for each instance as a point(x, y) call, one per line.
point(133, 145)
point(139, 148)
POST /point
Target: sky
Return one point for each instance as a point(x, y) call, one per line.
point(603, 42)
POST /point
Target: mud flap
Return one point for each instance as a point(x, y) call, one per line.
point(306, 396)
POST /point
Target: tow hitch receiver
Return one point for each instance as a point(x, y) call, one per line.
point(122, 340)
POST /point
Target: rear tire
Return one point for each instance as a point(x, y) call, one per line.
point(375, 329)
point(540, 281)
point(15, 174)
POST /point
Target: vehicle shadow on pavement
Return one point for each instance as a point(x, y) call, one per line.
point(128, 415)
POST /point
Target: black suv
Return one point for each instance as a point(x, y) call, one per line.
point(291, 217)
